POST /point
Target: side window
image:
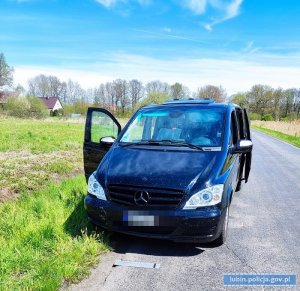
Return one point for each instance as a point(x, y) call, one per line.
point(234, 128)
point(231, 135)
point(247, 125)
point(241, 125)
point(102, 125)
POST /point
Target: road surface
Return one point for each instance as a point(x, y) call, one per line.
point(264, 235)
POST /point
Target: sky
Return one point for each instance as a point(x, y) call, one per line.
point(232, 43)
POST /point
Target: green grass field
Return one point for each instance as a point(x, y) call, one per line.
point(294, 140)
point(33, 153)
point(38, 136)
point(45, 237)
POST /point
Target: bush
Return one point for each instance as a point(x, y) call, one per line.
point(267, 117)
point(254, 116)
point(37, 108)
point(127, 113)
point(26, 107)
point(56, 112)
point(284, 119)
point(17, 107)
point(78, 107)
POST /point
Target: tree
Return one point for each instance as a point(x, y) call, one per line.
point(47, 86)
point(157, 87)
point(111, 95)
point(260, 98)
point(19, 90)
point(136, 91)
point(55, 86)
point(288, 101)
point(6, 74)
point(74, 91)
point(38, 86)
point(240, 99)
point(99, 95)
point(296, 106)
point(213, 92)
point(120, 87)
point(153, 98)
point(277, 99)
point(178, 91)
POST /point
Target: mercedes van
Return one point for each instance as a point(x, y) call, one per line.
point(170, 173)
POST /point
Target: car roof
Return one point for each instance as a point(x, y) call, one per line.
point(190, 102)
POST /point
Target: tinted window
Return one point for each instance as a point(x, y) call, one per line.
point(234, 128)
point(195, 125)
point(241, 125)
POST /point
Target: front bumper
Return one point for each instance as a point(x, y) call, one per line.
point(198, 226)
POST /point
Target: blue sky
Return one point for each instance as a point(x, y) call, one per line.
point(233, 43)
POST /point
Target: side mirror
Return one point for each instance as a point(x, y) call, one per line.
point(107, 141)
point(244, 146)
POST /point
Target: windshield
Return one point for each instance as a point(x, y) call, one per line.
point(192, 125)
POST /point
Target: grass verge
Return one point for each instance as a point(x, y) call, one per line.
point(46, 239)
point(294, 140)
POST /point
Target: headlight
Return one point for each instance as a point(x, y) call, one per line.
point(94, 188)
point(207, 197)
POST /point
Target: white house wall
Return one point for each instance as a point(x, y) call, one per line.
point(57, 106)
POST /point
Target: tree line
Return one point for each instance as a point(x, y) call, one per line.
point(122, 97)
point(267, 103)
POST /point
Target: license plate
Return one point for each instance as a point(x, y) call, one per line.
point(135, 218)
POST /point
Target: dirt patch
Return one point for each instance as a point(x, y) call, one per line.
point(7, 195)
point(25, 172)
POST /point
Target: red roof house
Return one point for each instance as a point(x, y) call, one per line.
point(52, 103)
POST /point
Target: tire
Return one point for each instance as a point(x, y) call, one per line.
point(222, 238)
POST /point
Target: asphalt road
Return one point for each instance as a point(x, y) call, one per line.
point(264, 235)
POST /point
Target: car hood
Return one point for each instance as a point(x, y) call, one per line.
point(163, 168)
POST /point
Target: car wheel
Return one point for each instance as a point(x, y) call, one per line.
point(222, 238)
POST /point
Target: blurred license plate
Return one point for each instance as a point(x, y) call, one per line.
point(135, 218)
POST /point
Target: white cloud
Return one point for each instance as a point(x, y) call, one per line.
point(231, 10)
point(208, 27)
point(107, 3)
point(233, 74)
point(197, 6)
point(228, 9)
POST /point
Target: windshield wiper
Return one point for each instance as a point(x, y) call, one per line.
point(181, 144)
point(170, 142)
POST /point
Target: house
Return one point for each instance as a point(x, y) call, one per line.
point(52, 103)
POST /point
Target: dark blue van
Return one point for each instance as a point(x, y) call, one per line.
point(170, 173)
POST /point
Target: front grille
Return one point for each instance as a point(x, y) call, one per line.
point(158, 197)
